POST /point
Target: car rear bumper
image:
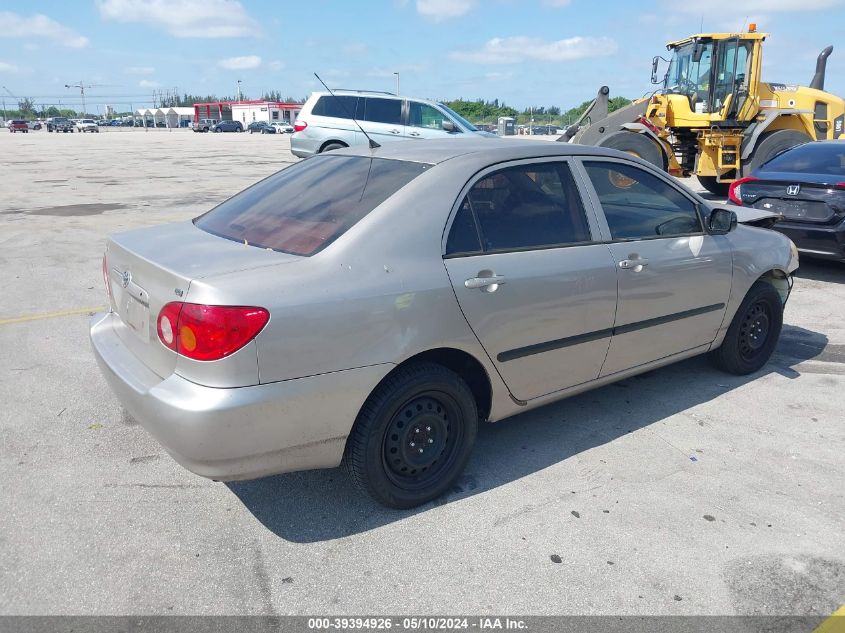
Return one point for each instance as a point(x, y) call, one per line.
point(302, 146)
point(239, 433)
point(824, 242)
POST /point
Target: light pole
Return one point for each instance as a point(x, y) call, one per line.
point(240, 97)
point(397, 83)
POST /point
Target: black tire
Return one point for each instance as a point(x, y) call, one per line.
point(636, 144)
point(716, 188)
point(770, 144)
point(421, 407)
point(332, 146)
point(753, 333)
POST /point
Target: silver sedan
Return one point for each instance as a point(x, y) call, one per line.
point(372, 307)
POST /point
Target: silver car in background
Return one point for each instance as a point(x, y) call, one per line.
point(371, 307)
point(328, 121)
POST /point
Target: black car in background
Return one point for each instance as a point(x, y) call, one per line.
point(228, 126)
point(806, 186)
point(260, 127)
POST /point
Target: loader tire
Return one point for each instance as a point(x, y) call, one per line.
point(771, 144)
point(716, 188)
point(638, 145)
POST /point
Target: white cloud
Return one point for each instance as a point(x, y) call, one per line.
point(39, 26)
point(247, 62)
point(139, 70)
point(438, 10)
point(145, 83)
point(714, 7)
point(184, 18)
point(276, 65)
point(512, 50)
point(8, 68)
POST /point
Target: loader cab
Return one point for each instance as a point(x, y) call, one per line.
point(715, 75)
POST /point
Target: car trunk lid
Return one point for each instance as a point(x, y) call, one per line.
point(791, 196)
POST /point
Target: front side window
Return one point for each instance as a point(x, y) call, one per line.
point(422, 115)
point(689, 77)
point(383, 110)
point(304, 208)
point(522, 207)
point(640, 205)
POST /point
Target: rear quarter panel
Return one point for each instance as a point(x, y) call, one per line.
point(379, 294)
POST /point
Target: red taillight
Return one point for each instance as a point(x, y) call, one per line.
point(735, 190)
point(106, 277)
point(840, 185)
point(298, 126)
point(204, 332)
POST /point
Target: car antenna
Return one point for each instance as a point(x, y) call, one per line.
point(373, 144)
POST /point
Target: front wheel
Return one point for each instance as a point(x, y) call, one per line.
point(753, 333)
point(413, 436)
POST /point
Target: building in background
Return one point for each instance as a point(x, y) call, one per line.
point(247, 111)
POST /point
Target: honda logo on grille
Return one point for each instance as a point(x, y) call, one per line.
point(793, 190)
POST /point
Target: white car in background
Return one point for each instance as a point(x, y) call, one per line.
point(283, 127)
point(87, 125)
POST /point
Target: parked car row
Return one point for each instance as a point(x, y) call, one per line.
point(256, 127)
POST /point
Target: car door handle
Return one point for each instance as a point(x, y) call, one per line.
point(394, 131)
point(489, 283)
point(413, 133)
point(633, 264)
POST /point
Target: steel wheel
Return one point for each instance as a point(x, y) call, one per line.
point(754, 330)
point(420, 442)
point(413, 436)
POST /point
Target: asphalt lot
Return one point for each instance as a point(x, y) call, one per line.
point(682, 491)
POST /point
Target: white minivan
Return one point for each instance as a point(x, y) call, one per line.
point(326, 121)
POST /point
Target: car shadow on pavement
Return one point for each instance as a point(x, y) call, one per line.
point(821, 270)
point(323, 505)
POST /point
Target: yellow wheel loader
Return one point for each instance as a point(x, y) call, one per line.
point(714, 117)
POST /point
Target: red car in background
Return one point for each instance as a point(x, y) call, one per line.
point(18, 126)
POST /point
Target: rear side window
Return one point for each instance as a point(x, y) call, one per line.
point(640, 205)
point(383, 110)
point(518, 208)
point(340, 107)
point(812, 158)
point(304, 208)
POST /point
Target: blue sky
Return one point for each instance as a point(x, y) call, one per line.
point(525, 52)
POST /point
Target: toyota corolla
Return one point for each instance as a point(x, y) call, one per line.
point(372, 307)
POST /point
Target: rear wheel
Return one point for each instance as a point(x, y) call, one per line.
point(638, 145)
point(753, 332)
point(714, 187)
point(770, 144)
point(332, 146)
point(413, 436)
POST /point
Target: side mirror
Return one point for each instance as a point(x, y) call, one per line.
point(449, 126)
point(654, 69)
point(722, 221)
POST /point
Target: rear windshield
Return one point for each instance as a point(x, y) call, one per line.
point(811, 158)
point(304, 208)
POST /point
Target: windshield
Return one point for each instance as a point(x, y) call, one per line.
point(304, 208)
point(688, 77)
point(459, 118)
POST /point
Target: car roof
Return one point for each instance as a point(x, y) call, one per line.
point(491, 150)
